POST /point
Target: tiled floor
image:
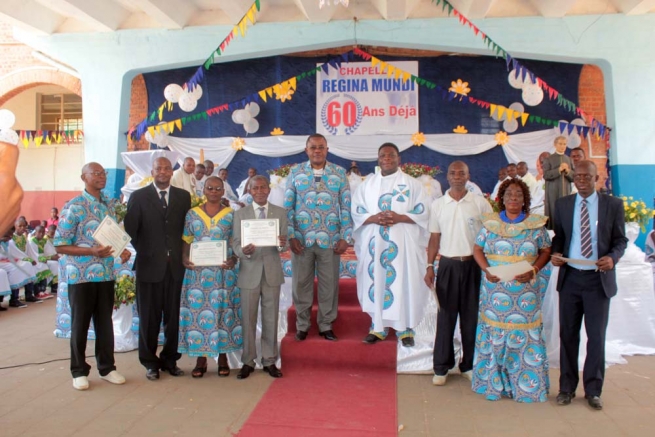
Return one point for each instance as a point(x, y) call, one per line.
point(38, 400)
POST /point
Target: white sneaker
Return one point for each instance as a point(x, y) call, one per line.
point(81, 383)
point(468, 375)
point(114, 377)
point(439, 379)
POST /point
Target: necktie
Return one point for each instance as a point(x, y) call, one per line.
point(162, 196)
point(262, 213)
point(585, 231)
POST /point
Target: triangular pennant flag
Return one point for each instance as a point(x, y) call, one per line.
point(151, 129)
point(398, 73)
point(161, 111)
point(524, 117)
point(251, 16)
point(562, 127)
point(501, 111)
point(48, 140)
point(374, 61)
point(262, 94)
point(406, 76)
point(38, 138)
point(257, 4)
point(524, 72)
point(292, 83)
point(531, 118)
point(508, 60)
point(242, 27)
point(269, 91)
point(171, 126)
point(493, 109)
point(570, 128)
point(585, 131)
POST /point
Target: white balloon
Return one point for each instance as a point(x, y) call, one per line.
point(510, 126)
point(515, 79)
point(240, 116)
point(7, 119)
point(149, 137)
point(251, 126)
point(9, 136)
point(173, 92)
point(578, 122)
point(517, 107)
point(532, 94)
point(252, 108)
point(187, 103)
point(196, 92)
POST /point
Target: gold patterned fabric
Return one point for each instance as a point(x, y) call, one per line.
point(495, 224)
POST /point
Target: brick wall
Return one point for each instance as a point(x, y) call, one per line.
point(591, 94)
point(138, 111)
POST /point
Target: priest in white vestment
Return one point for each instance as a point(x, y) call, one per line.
point(184, 178)
point(390, 215)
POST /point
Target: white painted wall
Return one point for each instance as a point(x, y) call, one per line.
point(48, 167)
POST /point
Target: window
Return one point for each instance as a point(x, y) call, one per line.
point(60, 112)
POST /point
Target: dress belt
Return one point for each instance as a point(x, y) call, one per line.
point(458, 258)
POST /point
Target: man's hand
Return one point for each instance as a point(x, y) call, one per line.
point(102, 251)
point(429, 276)
point(282, 240)
point(296, 246)
point(11, 192)
point(391, 218)
point(229, 263)
point(340, 247)
point(249, 249)
point(125, 256)
point(564, 168)
point(556, 259)
point(605, 263)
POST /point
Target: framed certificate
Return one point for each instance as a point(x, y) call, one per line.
point(260, 232)
point(208, 253)
point(109, 233)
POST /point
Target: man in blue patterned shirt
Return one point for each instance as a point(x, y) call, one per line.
point(88, 268)
point(317, 200)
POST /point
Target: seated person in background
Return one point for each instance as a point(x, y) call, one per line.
point(41, 249)
point(229, 198)
point(242, 190)
point(184, 177)
point(54, 217)
point(354, 169)
point(502, 175)
point(527, 178)
point(43, 273)
point(50, 232)
point(20, 273)
point(512, 171)
point(200, 179)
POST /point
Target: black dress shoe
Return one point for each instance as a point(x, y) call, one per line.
point(564, 398)
point(328, 335)
point(408, 341)
point(174, 371)
point(595, 402)
point(301, 335)
point(245, 371)
point(371, 339)
point(152, 374)
point(273, 371)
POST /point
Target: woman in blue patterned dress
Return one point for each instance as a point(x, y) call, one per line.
point(510, 352)
point(210, 310)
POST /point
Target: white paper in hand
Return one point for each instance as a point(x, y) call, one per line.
point(109, 233)
point(507, 272)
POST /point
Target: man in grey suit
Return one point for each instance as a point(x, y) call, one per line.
point(260, 277)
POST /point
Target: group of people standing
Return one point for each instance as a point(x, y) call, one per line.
point(397, 233)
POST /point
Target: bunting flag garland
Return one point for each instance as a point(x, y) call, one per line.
point(239, 28)
point(596, 127)
point(38, 137)
point(290, 85)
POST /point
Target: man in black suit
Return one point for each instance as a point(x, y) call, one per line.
point(155, 221)
point(588, 226)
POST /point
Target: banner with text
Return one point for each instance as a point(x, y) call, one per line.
point(359, 99)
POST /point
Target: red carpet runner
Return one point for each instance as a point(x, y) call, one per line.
point(344, 388)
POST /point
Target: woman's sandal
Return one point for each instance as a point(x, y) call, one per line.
point(198, 371)
point(223, 371)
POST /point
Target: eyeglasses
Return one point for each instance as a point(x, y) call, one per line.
point(583, 177)
point(210, 189)
point(98, 173)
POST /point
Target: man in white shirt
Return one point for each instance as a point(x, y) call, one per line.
point(229, 195)
point(199, 175)
point(454, 225)
point(502, 175)
point(528, 178)
point(184, 178)
point(243, 186)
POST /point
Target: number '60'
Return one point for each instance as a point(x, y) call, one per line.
point(336, 114)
